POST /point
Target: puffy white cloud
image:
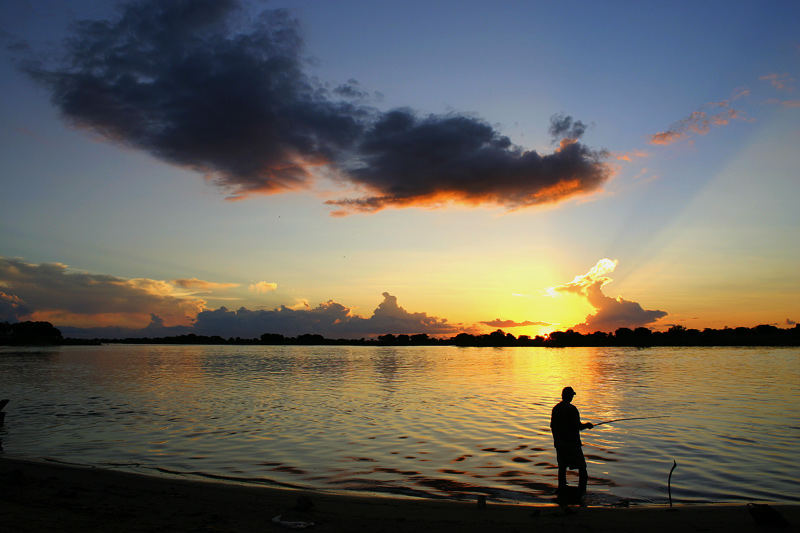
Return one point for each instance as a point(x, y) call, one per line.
point(262, 287)
point(610, 313)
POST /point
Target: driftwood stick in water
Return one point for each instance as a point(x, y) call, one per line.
point(669, 482)
point(2, 413)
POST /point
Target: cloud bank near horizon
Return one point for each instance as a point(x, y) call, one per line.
point(89, 305)
point(199, 85)
point(610, 313)
point(329, 319)
point(52, 293)
point(499, 323)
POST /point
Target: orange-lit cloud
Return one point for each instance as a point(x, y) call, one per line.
point(97, 305)
point(300, 303)
point(667, 137)
point(737, 94)
point(406, 160)
point(61, 317)
point(257, 123)
point(610, 313)
point(724, 118)
point(498, 323)
point(199, 284)
point(700, 122)
point(784, 103)
point(781, 82)
point(630, 156)
point(565, 143)
point(11, 307)
point(262, 287)
point(51, 290)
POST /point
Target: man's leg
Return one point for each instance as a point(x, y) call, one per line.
point(583, 479)
point(562, 477)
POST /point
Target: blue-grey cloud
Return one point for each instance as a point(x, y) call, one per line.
point(329, 319)
point(12, 307)
point(50, 291)
point(351, 90)
point(409, 160)
point(197, 84)
point(565, 127)
point(186, 81)
point(156, 328)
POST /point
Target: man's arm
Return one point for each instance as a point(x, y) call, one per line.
point(582, 426)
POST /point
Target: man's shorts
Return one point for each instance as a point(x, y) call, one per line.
point(570, 456)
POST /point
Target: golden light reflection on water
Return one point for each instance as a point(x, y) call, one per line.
point(437, 421)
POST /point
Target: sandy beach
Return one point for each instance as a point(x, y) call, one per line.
point(41, 496)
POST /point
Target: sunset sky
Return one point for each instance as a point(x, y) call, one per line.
point(355, 168)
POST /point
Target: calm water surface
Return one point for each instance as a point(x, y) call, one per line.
point(419, 421)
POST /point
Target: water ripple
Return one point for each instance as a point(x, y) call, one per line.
point(419, 421)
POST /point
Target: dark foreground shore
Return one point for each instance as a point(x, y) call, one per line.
point(38, 496)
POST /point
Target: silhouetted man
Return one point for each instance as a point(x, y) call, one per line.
point(565, 423)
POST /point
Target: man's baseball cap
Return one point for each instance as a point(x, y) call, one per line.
point(568, 391)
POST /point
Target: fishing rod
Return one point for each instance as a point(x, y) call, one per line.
point(633, 418)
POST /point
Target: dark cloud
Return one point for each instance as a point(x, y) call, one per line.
point(407, 160)
point(610, 313)
point(351, 90)
point(155, 328)
point(189, 83)
point(390, 317)
point(564, 127)
point(48, 291)
point(790, 322)
point(12, 308)
point(498, 323)
point(196, 84)
point(614, 313)
point(330, 319)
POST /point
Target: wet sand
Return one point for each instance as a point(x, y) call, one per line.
point(41, 496)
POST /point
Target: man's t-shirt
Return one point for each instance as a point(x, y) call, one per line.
point(565, 424)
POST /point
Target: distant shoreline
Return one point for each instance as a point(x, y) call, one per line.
point(44, 334)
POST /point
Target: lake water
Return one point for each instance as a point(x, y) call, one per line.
point(416, 421)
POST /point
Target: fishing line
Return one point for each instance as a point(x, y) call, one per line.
point(633, 418)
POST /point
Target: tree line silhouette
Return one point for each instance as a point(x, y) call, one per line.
point(29, 333)
point(44, 333)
